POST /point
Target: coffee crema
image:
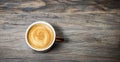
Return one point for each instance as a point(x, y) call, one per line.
point(40, 36)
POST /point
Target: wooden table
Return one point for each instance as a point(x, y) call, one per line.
point(89, 36)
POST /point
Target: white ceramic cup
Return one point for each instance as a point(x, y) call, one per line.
point(43, 22)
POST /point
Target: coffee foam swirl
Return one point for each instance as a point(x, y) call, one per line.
point(40, 36)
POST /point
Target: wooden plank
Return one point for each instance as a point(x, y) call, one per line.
point(59, 6)
point(88, 38)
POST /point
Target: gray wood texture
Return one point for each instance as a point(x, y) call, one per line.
point(90, 36)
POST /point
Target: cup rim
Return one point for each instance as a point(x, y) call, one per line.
point(54, 33)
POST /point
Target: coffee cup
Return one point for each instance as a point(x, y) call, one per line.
point(41, 35)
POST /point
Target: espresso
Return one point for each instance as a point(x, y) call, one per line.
point(40, 36)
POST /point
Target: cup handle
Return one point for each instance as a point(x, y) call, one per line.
point(59, 39)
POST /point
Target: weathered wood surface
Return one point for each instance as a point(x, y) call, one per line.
point(91, 30)
point(88, 38)
point(59, 6)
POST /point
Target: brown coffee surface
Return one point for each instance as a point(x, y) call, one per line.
point(40, 36)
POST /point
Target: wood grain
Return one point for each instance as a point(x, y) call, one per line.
point(91, 30)
point(59, 6)
point(88, 38)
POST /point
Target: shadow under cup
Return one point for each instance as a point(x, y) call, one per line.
point(40, 36)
